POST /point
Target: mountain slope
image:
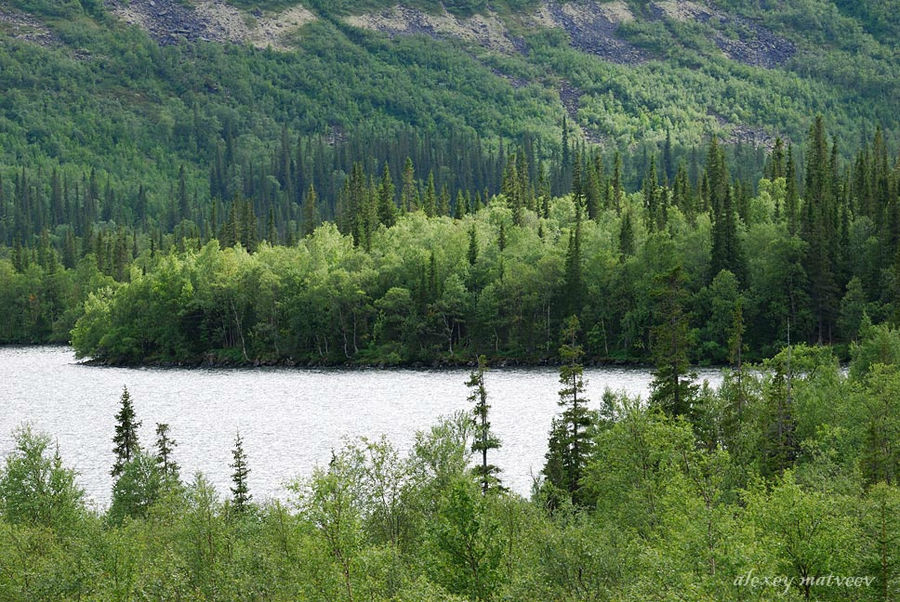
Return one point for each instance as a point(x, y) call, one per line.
point(139, 89)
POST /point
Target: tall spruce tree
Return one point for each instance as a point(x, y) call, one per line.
point(165, 445)
point(819, 230)
point(429, 204)
point(672, 388)
point(409, 200)
point(573, 281)
point(240, 491)
point(570, 435)
point(310, 211)
point(126, 437)
point(386, 207)
point(726, 253)
point(484, 439)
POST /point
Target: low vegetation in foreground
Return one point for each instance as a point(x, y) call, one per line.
point(780, 484)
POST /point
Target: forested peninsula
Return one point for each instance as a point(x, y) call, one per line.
point(403, 275)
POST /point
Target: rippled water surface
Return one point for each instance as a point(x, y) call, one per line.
point(290, 419)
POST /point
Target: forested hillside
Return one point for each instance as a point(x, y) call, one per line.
point(85, 91)
point(488, 171)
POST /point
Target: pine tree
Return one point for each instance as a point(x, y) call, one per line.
point(484, 439)
point(126, 437)
point(409, 200)
point(386, 208)
point(472, 254)
point(570, 437)
point(165, 445)
point(672, 388)
point(430, 202)
point(310, 211)
point(240, 491)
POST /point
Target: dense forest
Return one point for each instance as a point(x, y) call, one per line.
point(355, 197)
point(781, 484)
point(414, 274)
point(521, 181)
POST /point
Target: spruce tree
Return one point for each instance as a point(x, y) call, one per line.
point(386, 208)
point(573, 283)
point(459, 208)
point(672, 388)
point(791, 198)
point(430, 203)
point(240, 491)
point(570, 437)
point(444, 201)
point(165, 445)
point(484, 439)
point(626, 237)
point(409, 200)
point(310, 213)
point(472, 254)
point(126, 437)
point(617, 187)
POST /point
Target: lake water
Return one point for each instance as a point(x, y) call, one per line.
point(290, 418)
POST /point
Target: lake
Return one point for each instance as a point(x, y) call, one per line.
point(290, 418)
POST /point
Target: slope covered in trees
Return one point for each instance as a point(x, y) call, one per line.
point(84, 92)
point(419, 275)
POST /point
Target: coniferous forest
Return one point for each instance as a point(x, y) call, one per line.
point(667, 185)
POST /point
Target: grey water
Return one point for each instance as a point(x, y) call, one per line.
point(290, 419)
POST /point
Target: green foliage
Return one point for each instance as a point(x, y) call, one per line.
point(36, 490)
point(467, 550)
point(483, 439)
point(137, 488)
point(691, 509)
point(240, 491)
point(126, 442)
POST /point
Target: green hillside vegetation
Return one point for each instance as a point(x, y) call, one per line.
point(584, 175)
point(100, 95)
point(443, 279)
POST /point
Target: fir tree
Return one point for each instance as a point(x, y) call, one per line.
point(672, 388)
point(240, 492)
point(310, 212)
point(570, 436)
point(165, 445)
point(126, 437)
point(484, 439)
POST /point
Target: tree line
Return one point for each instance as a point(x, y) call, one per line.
point(802, 261)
